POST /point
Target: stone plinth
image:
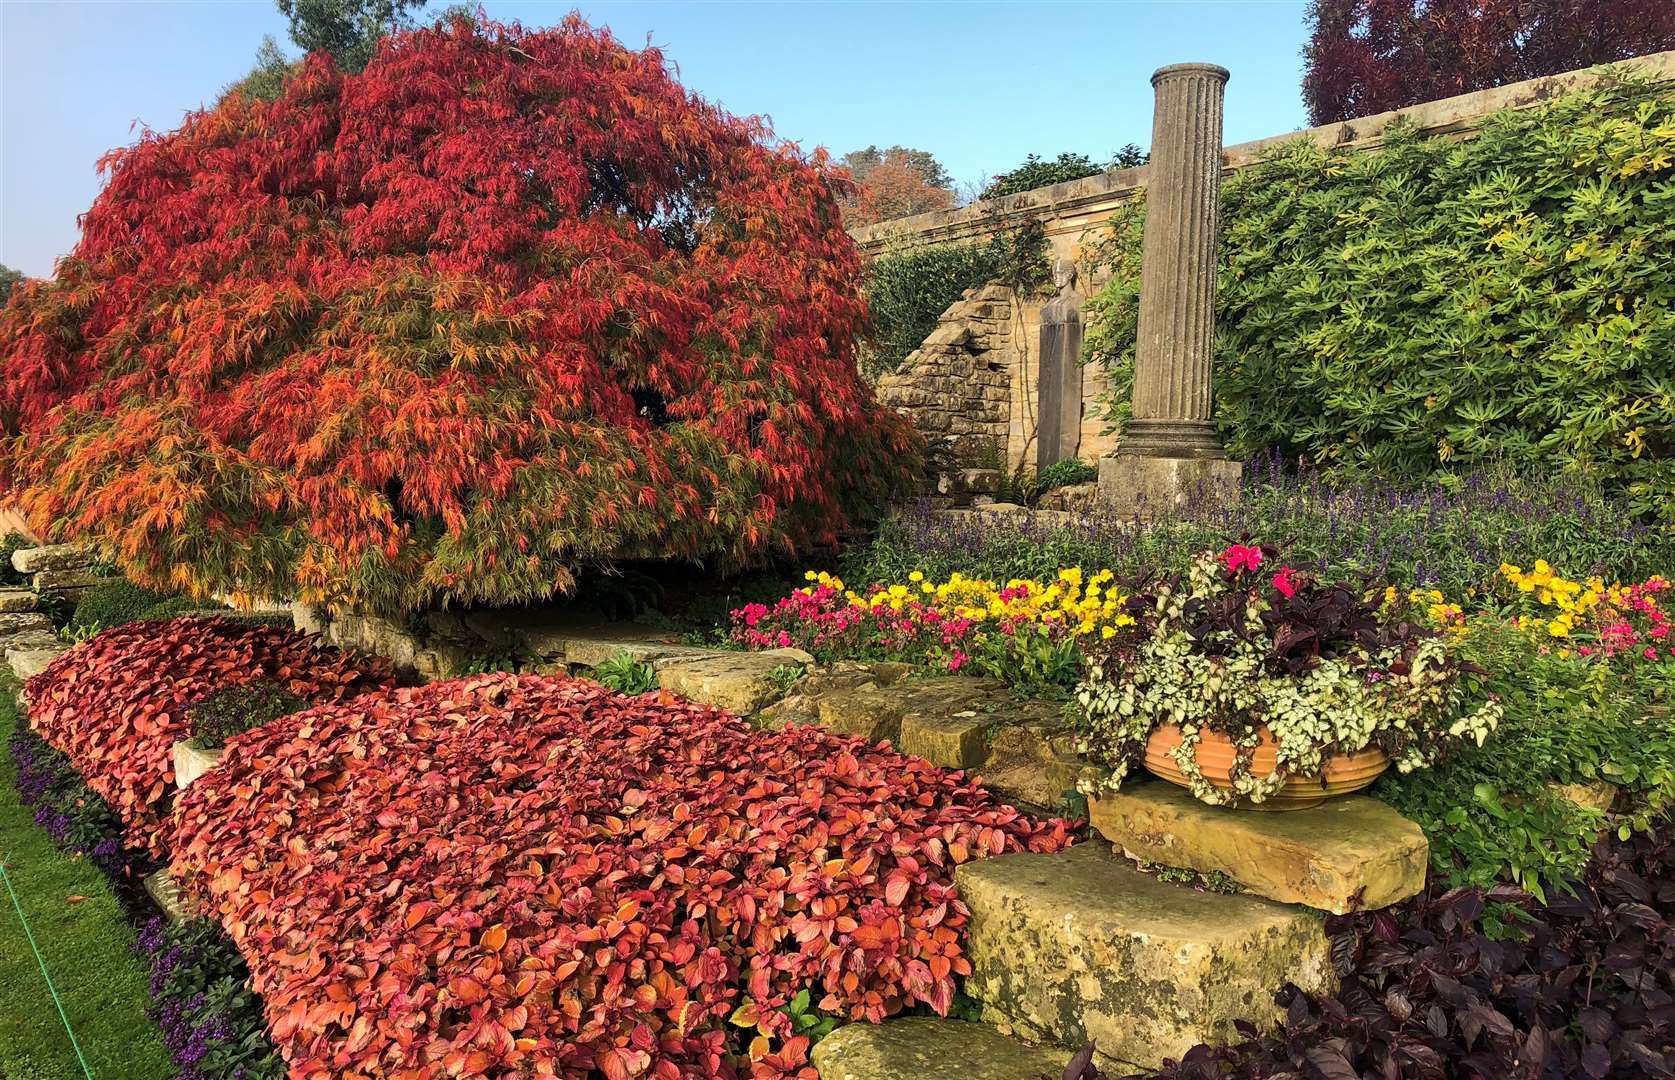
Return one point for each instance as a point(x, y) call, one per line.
point(1142, 484)
point(1079, 945)
point(191, 762)
point(1344, 855)
point(929, 1048)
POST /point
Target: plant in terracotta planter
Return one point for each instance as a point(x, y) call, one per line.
point(1252, 683)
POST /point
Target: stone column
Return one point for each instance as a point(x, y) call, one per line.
point(1169, 453)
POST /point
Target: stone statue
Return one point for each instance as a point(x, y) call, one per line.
point(1059, 416)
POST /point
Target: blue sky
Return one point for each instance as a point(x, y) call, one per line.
point(980, 85)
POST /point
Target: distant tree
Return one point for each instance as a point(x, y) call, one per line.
point(347, 29)
point(1369, 56)
point(268, 78)
point(9, 280)
point(1038, 172)
point(894, 183)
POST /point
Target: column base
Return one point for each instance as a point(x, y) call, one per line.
point(1149, 484)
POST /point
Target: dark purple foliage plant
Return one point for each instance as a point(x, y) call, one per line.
point(1484, 984)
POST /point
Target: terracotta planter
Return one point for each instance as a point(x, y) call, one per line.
point(1344, 773)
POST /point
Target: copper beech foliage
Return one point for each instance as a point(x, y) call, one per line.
point(116, 704)
point(504, 304)
point(531, 876)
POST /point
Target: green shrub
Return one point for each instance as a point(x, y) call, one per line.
point(173, 606)
point(8, 544)
point(238, 709)
point(625, 675)
point(1494, 812)
point(1441, 303)
point(908, 291)
point(112, 603)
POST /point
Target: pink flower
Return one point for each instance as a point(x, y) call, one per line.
point(1283, 581)
point(958, 660)
point(1239, 557)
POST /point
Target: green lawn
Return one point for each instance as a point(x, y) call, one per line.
point(88, 948)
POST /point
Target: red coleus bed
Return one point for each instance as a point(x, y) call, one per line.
point(532, 877)
point(116, 705)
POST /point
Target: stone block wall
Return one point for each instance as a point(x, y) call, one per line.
point(957, 386)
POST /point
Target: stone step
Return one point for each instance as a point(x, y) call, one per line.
point(165, 893)
point(1079, 945)
point(743, 683)
point(1023, 751)
point(16, 600)
point(66, 581)
point(31, 660)
point(1346, 854)
point(51, 557)
point(929, 1048)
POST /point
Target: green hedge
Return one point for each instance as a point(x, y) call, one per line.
point(1440, 303)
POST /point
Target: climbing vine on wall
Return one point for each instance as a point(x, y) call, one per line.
point(504, 304)
point(1440, 303)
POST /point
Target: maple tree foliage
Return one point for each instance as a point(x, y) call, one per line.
point(532, 876)
point(504, 304)
point(1370, 56)
point(116, 704)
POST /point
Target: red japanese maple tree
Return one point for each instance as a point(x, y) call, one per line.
point(1370, 56)
point(504, 304)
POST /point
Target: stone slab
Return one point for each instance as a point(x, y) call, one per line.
point(28, 662)
point(51, 557)
point(1347, 854)
point(741, 682)
point(63, 581)
point(1033, 760)
point(191, 762)
point(25, 622)
point(930, 1048)
point(165, 893)
point(802, 705)
point(877, 712)
point(18, 600)
point(954, 741)
point(1597, 795)
point(869, 712)
point(1079, 945)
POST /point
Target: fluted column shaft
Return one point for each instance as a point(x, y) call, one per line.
point(1178, 269)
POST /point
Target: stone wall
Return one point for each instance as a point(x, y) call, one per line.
point(957, 386)
point(945, 389)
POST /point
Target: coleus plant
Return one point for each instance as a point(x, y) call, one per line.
point(531, 876)
point(505, 303)
point(118, 703)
